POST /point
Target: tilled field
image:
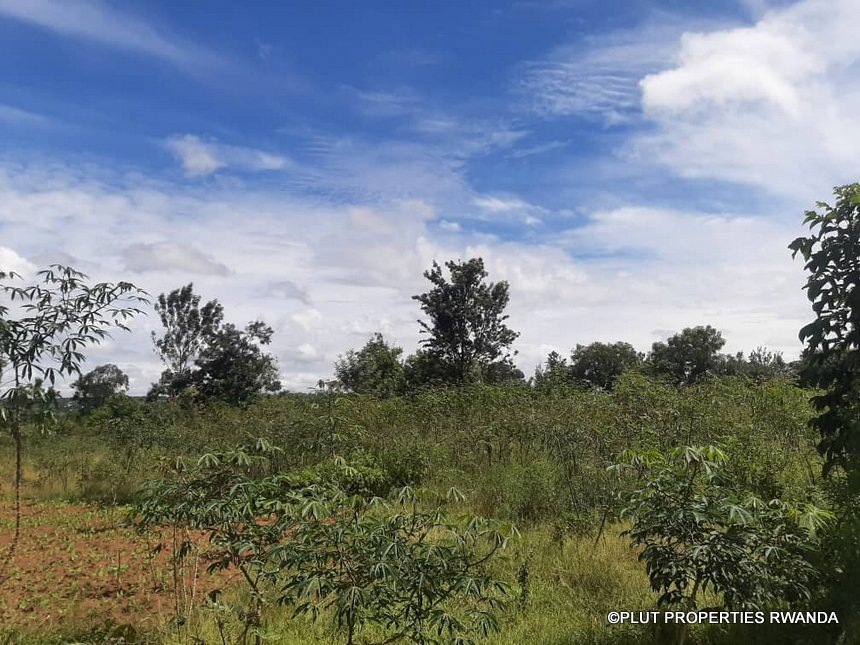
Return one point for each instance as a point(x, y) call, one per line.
point(75, 564)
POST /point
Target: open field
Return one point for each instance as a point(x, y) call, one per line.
point(81, 573)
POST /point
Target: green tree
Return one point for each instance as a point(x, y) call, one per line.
point(188, 328)
point(42, 338)
point(554, 374)
point(831, 363)
point(375, 369)
point(219, 361)
point(422, 371)
point(466, 328)
point(832, 356)
point(762, 364)
point(232, 366)
point(688, 356)
point(598, 365)
point(503, 372)
point(94, 388)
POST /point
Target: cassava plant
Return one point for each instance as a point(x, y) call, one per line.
point(401, 566)
point(414, 573)
point(43, 329)
point(697, 533)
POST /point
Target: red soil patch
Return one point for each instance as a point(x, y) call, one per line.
point(77, 563)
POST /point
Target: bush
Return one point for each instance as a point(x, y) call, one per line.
point(522, 493)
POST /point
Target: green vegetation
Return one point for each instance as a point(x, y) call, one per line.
point(539, 461)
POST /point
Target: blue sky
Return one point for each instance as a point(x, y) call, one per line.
point(630, 168)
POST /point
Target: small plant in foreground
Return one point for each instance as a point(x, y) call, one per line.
point(402, 566)
point(697, 533)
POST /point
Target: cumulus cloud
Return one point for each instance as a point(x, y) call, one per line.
point(200, 158)
point(11, 262)
point(773, 105)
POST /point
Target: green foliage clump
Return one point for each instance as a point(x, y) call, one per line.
point(93, 389)
point(599, 365)
point(403, 567)
point(207, 357)
point(687, 356)
point(699, 533)
point(375, 369)
point(831, 362)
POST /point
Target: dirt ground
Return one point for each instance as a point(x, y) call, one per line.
point(76, 564)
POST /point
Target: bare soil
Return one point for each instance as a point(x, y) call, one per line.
point(75, 564)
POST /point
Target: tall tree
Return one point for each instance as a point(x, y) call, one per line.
point(94, 388)
point(188, 327)
point(832, 356)
point(689, 355)
point(831, 362)
point(375, 369)
point(554, 374)
point(598, 365)
point(232, 366)
point(466, 328)
point(220, 361)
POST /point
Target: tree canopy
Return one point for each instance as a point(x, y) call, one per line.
point(832, 358)
point(218, 360)
point(467, 330)
point(188, 327)
point(595, 366)
point(232, 366)
point(375, 369)
point(688, 355)
point(93, 389)
point(599, 365)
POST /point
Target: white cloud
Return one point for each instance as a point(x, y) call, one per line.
point(501, 204)
point(167, 256)
point(308, 318)
point(201, 158)
point(18, 117)
point(598, 77)
point(198, 158)
point(98, 21)
point(11, 262)
point(774, 105)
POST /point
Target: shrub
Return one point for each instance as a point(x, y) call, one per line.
point(405, 567)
